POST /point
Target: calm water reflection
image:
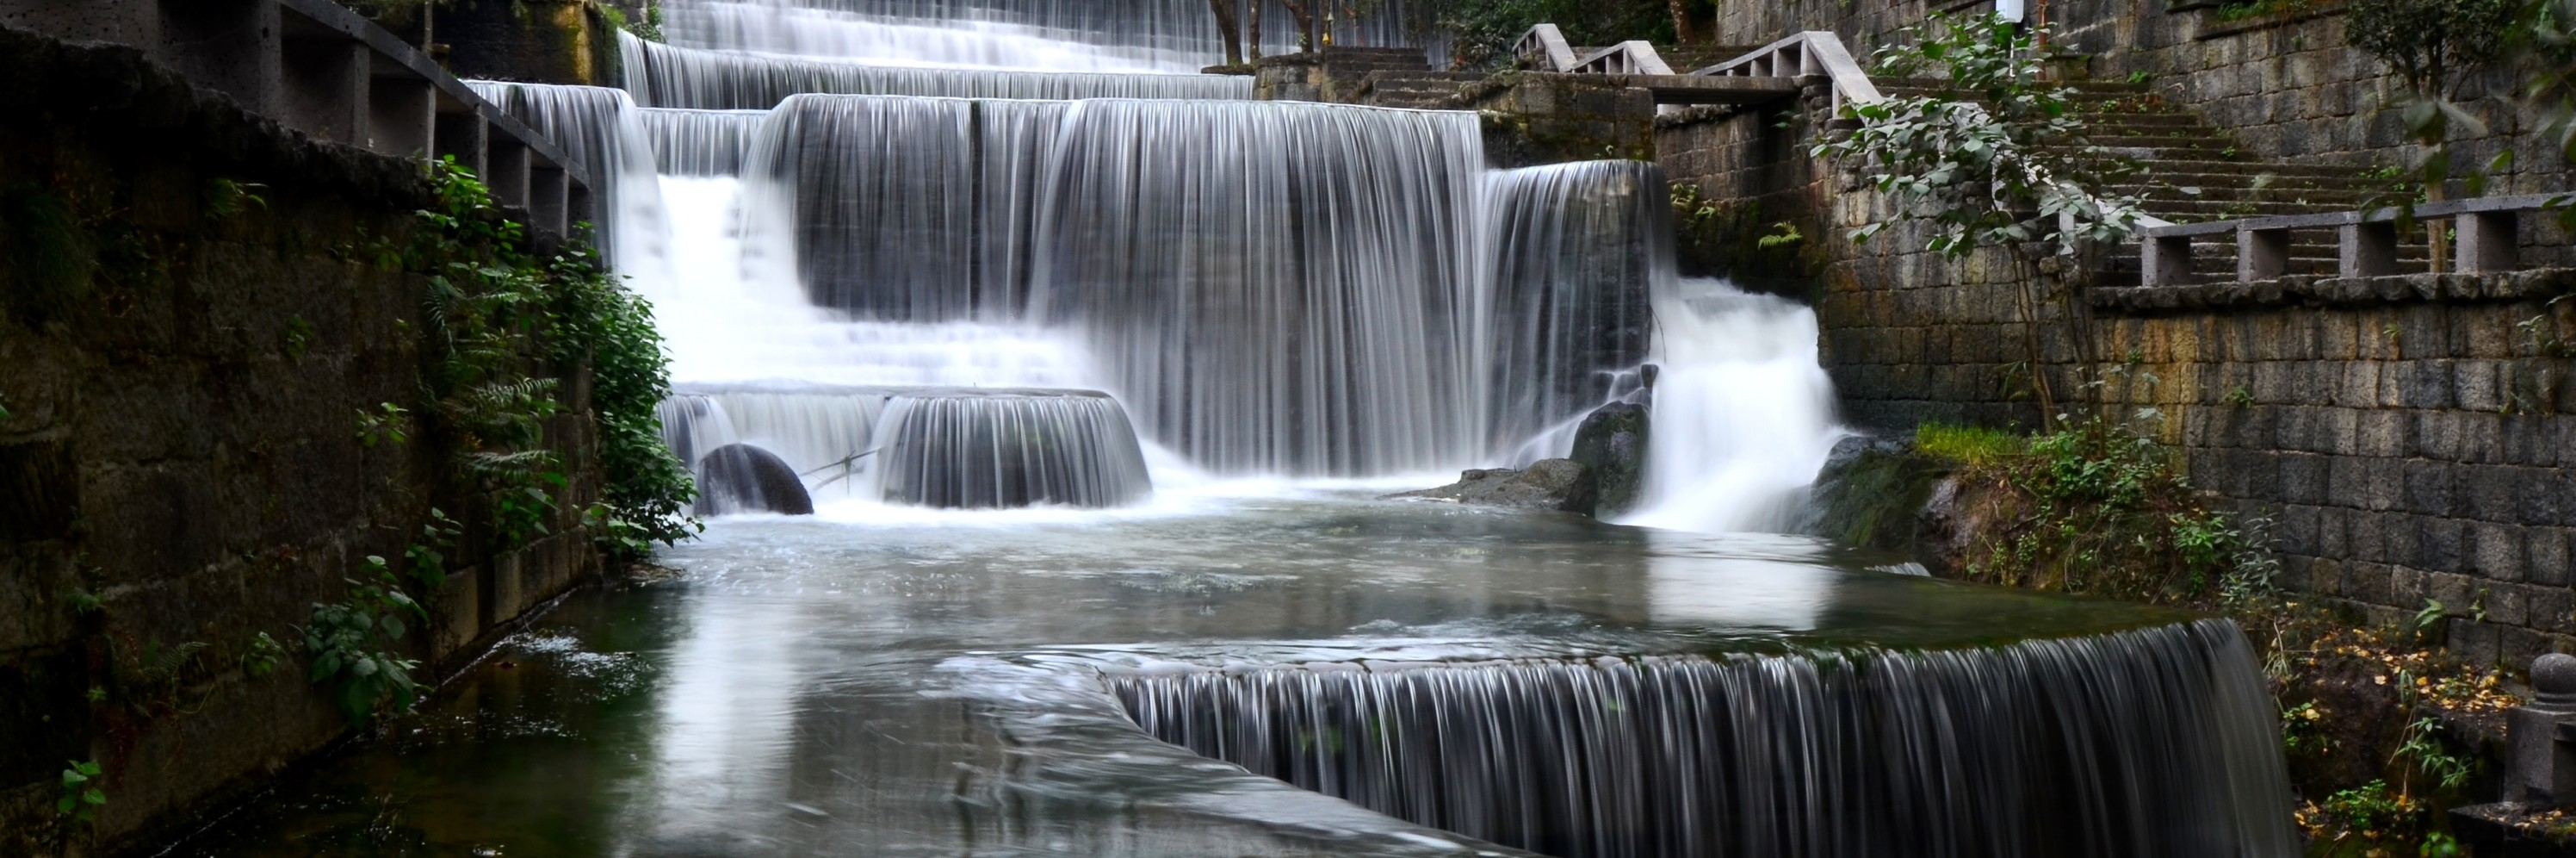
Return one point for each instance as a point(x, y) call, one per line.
point(811, 687)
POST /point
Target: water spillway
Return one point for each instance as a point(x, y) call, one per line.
point(986, 450)
point(1173, 36)
point(2158, 742)
point(1579, 249)
point(1078, 370)
point(661, 75)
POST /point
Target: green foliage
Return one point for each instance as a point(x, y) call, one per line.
point(51, 255)
point(343, 644)
point(1483, 30)
point(2098, 508)
point(1966, 445)
point(426, 560)
point(1996, 157)
point(478, 314)
point(81, 797)
point(2301, 733)
point(1783, 234)
point(227, 199)
point(297, 338)
point(2424, 753)
point(2239, 397)
point(2430, 44)
point(384, 426)
point(264, 654)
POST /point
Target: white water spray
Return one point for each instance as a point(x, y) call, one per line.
point(1743, 415)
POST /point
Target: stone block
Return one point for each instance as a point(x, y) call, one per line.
point(2303, 478)
point(2505, 603)
point(2368, 582)
point(2380, 433)
point(2436, 435)
point(2333, 531)
point(2455, 591)
point(2443, 543)
point(2425, 384)
point(2403, 543)
point(2406, 586)
point(2475, 385)
point(2497, 551)
point(2545, 556)
point(2325, 575)
point(2429, 488)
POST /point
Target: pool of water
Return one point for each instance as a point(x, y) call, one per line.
point(875, 682)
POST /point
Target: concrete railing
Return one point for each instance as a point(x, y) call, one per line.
point(323, 70)
point(1814, 52)
point(1544, 48)
point(2366, 240)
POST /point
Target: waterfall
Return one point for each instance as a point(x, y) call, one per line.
point(982, 450)
point(701, 142)
point(600, 129)
point(1303, 299)
point(1578, 250)
point(1174, 36)
point(660, 75)
point(2157, 742)
point(1743, 414)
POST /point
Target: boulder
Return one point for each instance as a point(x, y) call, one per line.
point(744, 478)
point(1558, 484)
point(1611, 446)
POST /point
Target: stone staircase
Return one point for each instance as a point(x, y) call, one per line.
point(2197, 172)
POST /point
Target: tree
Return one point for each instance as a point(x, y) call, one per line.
point(1994, 158)
point(2433, 45)
point(1226, 28)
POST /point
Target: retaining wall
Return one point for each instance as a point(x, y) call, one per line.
point(180, 460)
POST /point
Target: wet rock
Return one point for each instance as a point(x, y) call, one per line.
point(744, 478)
point(1560, 484)
point(1611, 446)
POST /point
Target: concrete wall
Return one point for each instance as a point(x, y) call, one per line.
point(181, 438)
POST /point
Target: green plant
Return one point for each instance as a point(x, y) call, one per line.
point(2301, 732)
point(426, 560)
point(384, 426)
point(1995, 157)
point(2425, 754)
point(1783, 234)
point(297, 338)
point(342, 642)
point(2239, 397)
point(2427, 621)
point(227, 199)
point(81, 797)
point(263, 655)
point(1967, 445)
point(2141, 76)
point(477, 315)
point(2097, 508)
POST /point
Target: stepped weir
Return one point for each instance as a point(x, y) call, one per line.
point(1089, 370)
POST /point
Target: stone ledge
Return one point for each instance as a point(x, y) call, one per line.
point(2312, 291)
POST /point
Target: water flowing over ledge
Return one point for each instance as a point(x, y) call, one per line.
point(2156, 742)
point(660, 75)
point(1168, 36)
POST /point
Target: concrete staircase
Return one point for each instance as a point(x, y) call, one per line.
point(2199, 172)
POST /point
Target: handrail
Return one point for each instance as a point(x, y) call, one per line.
point(1813, 52)
point(2366, 240)
point(1545, 44)
point(1629, 57)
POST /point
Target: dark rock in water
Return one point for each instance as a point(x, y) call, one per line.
point(1546, 484)
point(1611, 446)
point(744, 478)
point(1871, 493)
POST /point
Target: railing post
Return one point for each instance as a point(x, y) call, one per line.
point(2369, 249)
point(2164, 260)
point(2261, 254)
point(2486, 242)
point(2540, 766)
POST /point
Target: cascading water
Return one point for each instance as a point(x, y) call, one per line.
point(1743, 414)
point(664, 76)
point(2158, 742)
point(984, 450)
point(905, 305)
point(1578, 248)
point(1174, 36)
point(1303, 299)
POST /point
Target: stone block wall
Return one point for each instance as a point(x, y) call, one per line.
point(192, 318)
